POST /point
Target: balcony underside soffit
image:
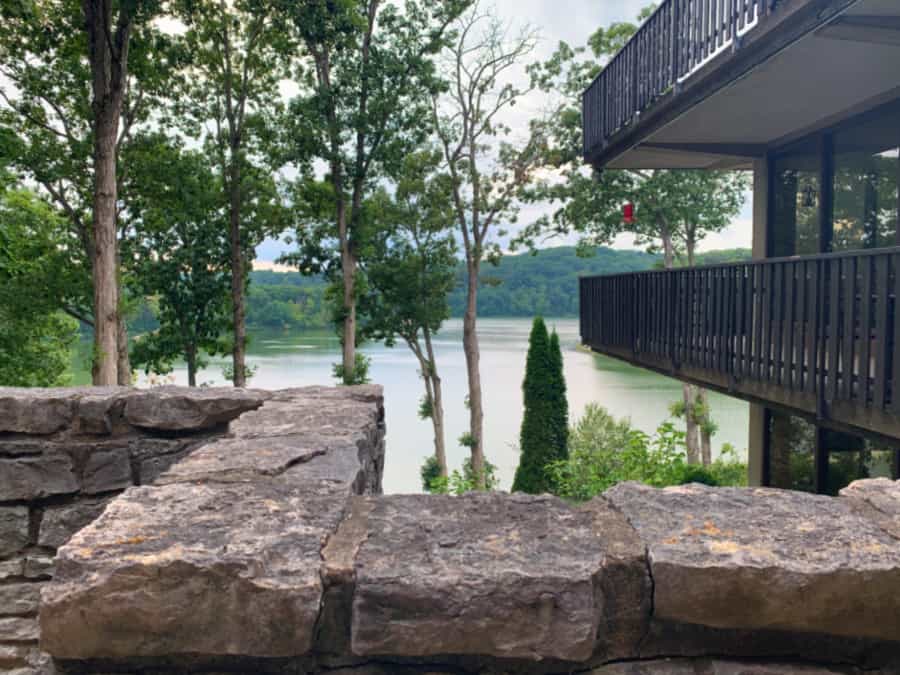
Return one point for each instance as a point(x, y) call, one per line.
point(844, 67)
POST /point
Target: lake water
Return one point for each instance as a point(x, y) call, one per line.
point(293, 359)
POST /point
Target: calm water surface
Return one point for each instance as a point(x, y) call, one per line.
point(294, 359)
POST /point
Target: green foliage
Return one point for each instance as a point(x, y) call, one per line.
point(35, 337)
point(178, 254)
point(228, 372)
point(544, 433)
point(458, 483)
point(360, 373)
point(430, 473)
point(605, 451)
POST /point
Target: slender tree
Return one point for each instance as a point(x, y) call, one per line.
point(411, 270)
point(362, 109)
point(238, 56)
point(487, 168)
point(537, 436)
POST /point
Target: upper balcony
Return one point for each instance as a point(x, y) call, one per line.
point(716, 83)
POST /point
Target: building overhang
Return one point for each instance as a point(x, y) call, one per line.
point(808, 65)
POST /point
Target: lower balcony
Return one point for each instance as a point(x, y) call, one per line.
point(815, 336)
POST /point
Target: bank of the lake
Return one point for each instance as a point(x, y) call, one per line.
point(293, 359)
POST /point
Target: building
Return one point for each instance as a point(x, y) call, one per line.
point(806, 95)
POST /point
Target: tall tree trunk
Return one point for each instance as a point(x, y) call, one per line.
point(692, 438)
point(124, 365)
point(237, 273)
point(348, 273)
point(437, 407)
point(473, 370)
point(689, 392)
point(191, 358)
point(105, 272)
point(705, 427)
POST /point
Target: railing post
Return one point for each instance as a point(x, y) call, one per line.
point(676, 14)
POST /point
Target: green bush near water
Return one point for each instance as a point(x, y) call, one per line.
point(604, 451)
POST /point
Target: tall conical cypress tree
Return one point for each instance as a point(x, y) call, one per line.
point(559, 404)
point(536, 438)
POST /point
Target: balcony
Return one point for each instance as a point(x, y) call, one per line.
point(714, 84)
point(816, 336)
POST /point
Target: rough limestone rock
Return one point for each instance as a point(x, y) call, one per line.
point(13, 529)
point(19, 629)
point(36, 411)
point(717, 667)
point(760, 559)
point(27, 478)
point(59, 523)
point(180, 409)
point(877, 500)
point(107, 471)
point(211, 570)
point(235, 460)
point(507, 576)
point(19, 599)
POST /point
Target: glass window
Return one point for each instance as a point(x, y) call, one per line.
point(796, 218)
point(866, 179)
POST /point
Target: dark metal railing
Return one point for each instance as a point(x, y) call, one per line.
point(675, 40)
point(820, 333)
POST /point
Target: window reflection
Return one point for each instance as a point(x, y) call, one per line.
point(797, 192)
point(866, 179)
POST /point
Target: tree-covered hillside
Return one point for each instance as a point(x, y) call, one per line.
point(545, 284)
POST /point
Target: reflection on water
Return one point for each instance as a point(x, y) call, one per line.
point(298, 359)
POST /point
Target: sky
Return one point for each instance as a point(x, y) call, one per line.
point(571, 21)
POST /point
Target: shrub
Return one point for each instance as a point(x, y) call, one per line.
point(604, 451)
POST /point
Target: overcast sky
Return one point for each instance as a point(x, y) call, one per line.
point(573, 21)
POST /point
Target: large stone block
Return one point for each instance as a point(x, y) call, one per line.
point(182, 409)
point(36, 411)
point(724, 667)
point(19, 599)
point(495, 575)
point(236, 460)
point(106, 471)
point(206, 570)
point(59, 523)
point(27, 478)
point(13, 529)
point(762, 559)
point(19, 629)
point(876, 500)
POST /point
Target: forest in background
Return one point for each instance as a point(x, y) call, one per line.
point(519, 286)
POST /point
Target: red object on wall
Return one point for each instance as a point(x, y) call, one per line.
point(628, 213)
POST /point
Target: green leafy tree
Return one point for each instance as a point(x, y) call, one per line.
point(68, 104)
point(410, 268)
point(362, 108)
point(674, 210)
point(237, 54)
point(538, 437)
point(487, 168)
point(35, 336)
point(178, 254)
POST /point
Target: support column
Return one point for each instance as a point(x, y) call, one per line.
point(757, 469)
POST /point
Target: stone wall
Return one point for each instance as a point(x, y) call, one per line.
point(267, 549)
point(64, 454)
